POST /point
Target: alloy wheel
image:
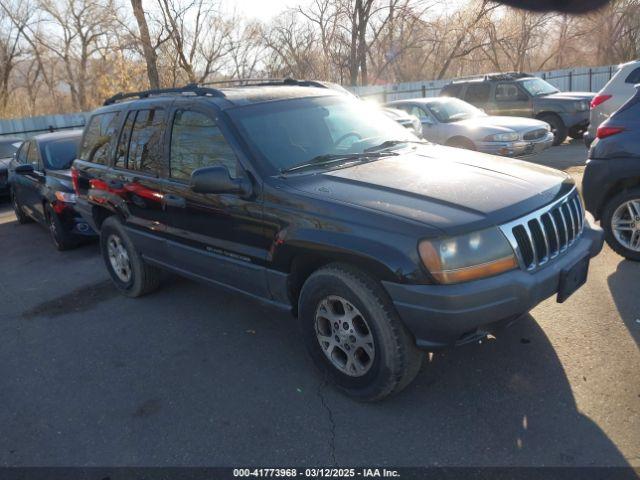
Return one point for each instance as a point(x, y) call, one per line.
point(119, 258)
point(344, 336)
point(625, 224)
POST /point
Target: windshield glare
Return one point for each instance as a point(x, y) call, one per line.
point(59, 154)
point(452, 109)
point(292, 132)
point(537, 87)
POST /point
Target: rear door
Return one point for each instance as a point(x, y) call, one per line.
point(219, 237)
point(139, 165)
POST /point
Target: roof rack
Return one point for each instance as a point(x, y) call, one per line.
point(493, 76)
point(264, 82)
point(189, 88)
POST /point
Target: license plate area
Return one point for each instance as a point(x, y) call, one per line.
point(572, 278)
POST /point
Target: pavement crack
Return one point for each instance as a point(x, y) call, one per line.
point(332, 423)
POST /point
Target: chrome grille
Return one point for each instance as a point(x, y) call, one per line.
point(544, 234)
point(535, 134)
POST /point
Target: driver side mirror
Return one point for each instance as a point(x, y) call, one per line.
point(218, 180)
point(24, 169)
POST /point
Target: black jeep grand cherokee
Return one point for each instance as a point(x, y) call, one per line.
point(313, 201)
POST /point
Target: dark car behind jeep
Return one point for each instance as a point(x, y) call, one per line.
point(524, 95)
point(382, 245)
point(611, 181)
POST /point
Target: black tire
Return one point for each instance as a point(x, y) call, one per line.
point(461, 142)
point(558, 127)
point(576, 133)
point(61, 239)
point(143, 278)
point(607, 215)
point(17, 209)
point(396, 359)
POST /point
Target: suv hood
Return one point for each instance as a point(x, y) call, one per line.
point(451, 189)
point(570, 96)
point(502, 123)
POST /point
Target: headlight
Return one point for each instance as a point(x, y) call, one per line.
point(502, 137)
point(582, 105)
point(468, 257)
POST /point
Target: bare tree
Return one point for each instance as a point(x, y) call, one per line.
point(148, 49)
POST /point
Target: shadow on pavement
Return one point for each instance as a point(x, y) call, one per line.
point(624, 285)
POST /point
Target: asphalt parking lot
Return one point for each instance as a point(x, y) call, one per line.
point(194, 376)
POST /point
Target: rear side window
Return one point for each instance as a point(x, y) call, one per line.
point(633, 77)
point(452, 90)
point(477, 93)
point(145, 144)
point(196, 142)
point(98, 141)
point(123, 144)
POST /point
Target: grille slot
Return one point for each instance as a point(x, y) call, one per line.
point(544, 234)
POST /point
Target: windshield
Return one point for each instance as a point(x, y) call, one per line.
point(292, 132)
point(450, 110)
point(59, 154)
point(538, 87)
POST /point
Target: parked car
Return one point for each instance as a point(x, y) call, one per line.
point(41, 187)
point(315, 202)
point(612, 96)
point(451, 121)
point(523, 95)
point(611, 182)
point(8, 147)
point(405, 119)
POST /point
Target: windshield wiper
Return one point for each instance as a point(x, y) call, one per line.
point(391, 143)
point(330, 158)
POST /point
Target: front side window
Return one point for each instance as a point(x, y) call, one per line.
point(477, 93)
point(21, 157)
point(97, 145)
point(506, 92)
point(60, 154)
point(145, 144)
point(196, 142)
point(290, 132)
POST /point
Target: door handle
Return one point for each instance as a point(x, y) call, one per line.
point(174, 201)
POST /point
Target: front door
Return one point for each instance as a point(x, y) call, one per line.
point(510, 100)
point(32, 183)
point(219, 237)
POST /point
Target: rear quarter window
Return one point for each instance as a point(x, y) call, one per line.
point(633, 77)
point(99, 138)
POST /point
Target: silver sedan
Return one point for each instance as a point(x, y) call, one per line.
point(454, 122)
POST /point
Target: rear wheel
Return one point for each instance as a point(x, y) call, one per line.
point(354, 334)
point(62, 239)
point(129, 272)
point(17, 209)
point(621, 223)
point(558, 128)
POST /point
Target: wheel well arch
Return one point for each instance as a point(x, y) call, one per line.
point(460, 140)
point(547, 113)
point(303, 265)
point(614, 189)
point(100, 214)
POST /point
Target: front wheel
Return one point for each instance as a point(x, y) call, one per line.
point(129, 272)
point(354, 334)
point(621, 223)
point(61, 239)
point(558, 128)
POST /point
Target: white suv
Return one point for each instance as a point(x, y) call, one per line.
point(616, 92)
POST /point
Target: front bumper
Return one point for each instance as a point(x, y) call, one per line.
point(445, 315)
point(517, 148)
point(575, 120)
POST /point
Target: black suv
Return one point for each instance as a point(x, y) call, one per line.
point(611, 182)
point(313, 201)
point(524, 95)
